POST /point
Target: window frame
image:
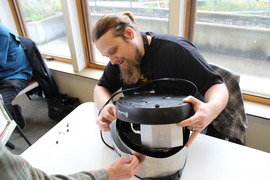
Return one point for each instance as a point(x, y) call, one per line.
point(84, 19)
point(16, 10)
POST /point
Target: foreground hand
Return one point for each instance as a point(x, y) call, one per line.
point(123, 168)
point(200, 120)
point(106, 116)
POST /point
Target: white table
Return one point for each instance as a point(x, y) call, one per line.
point(79, 147)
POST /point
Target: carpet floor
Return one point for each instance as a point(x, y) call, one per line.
point(35, 113)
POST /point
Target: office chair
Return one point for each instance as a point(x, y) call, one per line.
point(232, 121)
point(17, 115)
point(32, 85)
point(7, 126)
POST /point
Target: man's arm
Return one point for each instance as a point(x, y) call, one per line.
point(15, 167)
point(217, 97)
point(108, 113)
point(101, 95)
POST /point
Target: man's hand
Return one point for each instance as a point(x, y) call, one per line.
point(216, 99)
point(200, 120)
point(123, 168)
point(107, 115)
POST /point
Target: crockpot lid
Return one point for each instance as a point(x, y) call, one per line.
point(153, 109)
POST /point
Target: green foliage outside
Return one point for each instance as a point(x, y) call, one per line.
point(233, 5)
point(35, 10)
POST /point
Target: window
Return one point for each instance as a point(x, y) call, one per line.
point(45, 26)
point(231, 33)
point(236, 35)
point(150, 16)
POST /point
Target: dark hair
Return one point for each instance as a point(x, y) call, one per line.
point(118, 22)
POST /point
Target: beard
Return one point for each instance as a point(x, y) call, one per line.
point(131, 74)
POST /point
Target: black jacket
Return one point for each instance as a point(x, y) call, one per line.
point(41, 72)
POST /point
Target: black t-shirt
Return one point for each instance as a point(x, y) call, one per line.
point(167, 56)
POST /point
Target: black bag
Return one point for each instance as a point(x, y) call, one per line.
point(41, 72)
point(61, 105)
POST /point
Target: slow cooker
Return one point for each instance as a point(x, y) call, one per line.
point(146, 127)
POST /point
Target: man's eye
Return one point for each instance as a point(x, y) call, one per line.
point(113, 51)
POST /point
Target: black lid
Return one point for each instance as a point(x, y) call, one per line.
point(153, 109)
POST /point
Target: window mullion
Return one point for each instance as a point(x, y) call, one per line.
point(12, 11)
point(18, 17)
point(74, 34)
point(175, 17)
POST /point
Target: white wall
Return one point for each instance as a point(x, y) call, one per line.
point(75, 86)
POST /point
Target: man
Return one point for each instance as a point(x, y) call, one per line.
point(14, 167)
point(137, 57)
point(15, 70)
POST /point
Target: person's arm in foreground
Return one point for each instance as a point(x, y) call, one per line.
point(15, 167)
point(108, 113)
point(216, 98)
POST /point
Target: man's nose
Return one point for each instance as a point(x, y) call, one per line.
point(113, 59)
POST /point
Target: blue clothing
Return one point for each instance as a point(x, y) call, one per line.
point(13, 61)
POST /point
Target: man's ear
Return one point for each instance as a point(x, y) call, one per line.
point(129, 33)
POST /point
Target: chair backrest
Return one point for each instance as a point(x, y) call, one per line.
point(32, 85)
point(232, 121)
point(7, 125)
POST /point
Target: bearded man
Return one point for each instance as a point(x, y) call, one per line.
point(137, 57)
